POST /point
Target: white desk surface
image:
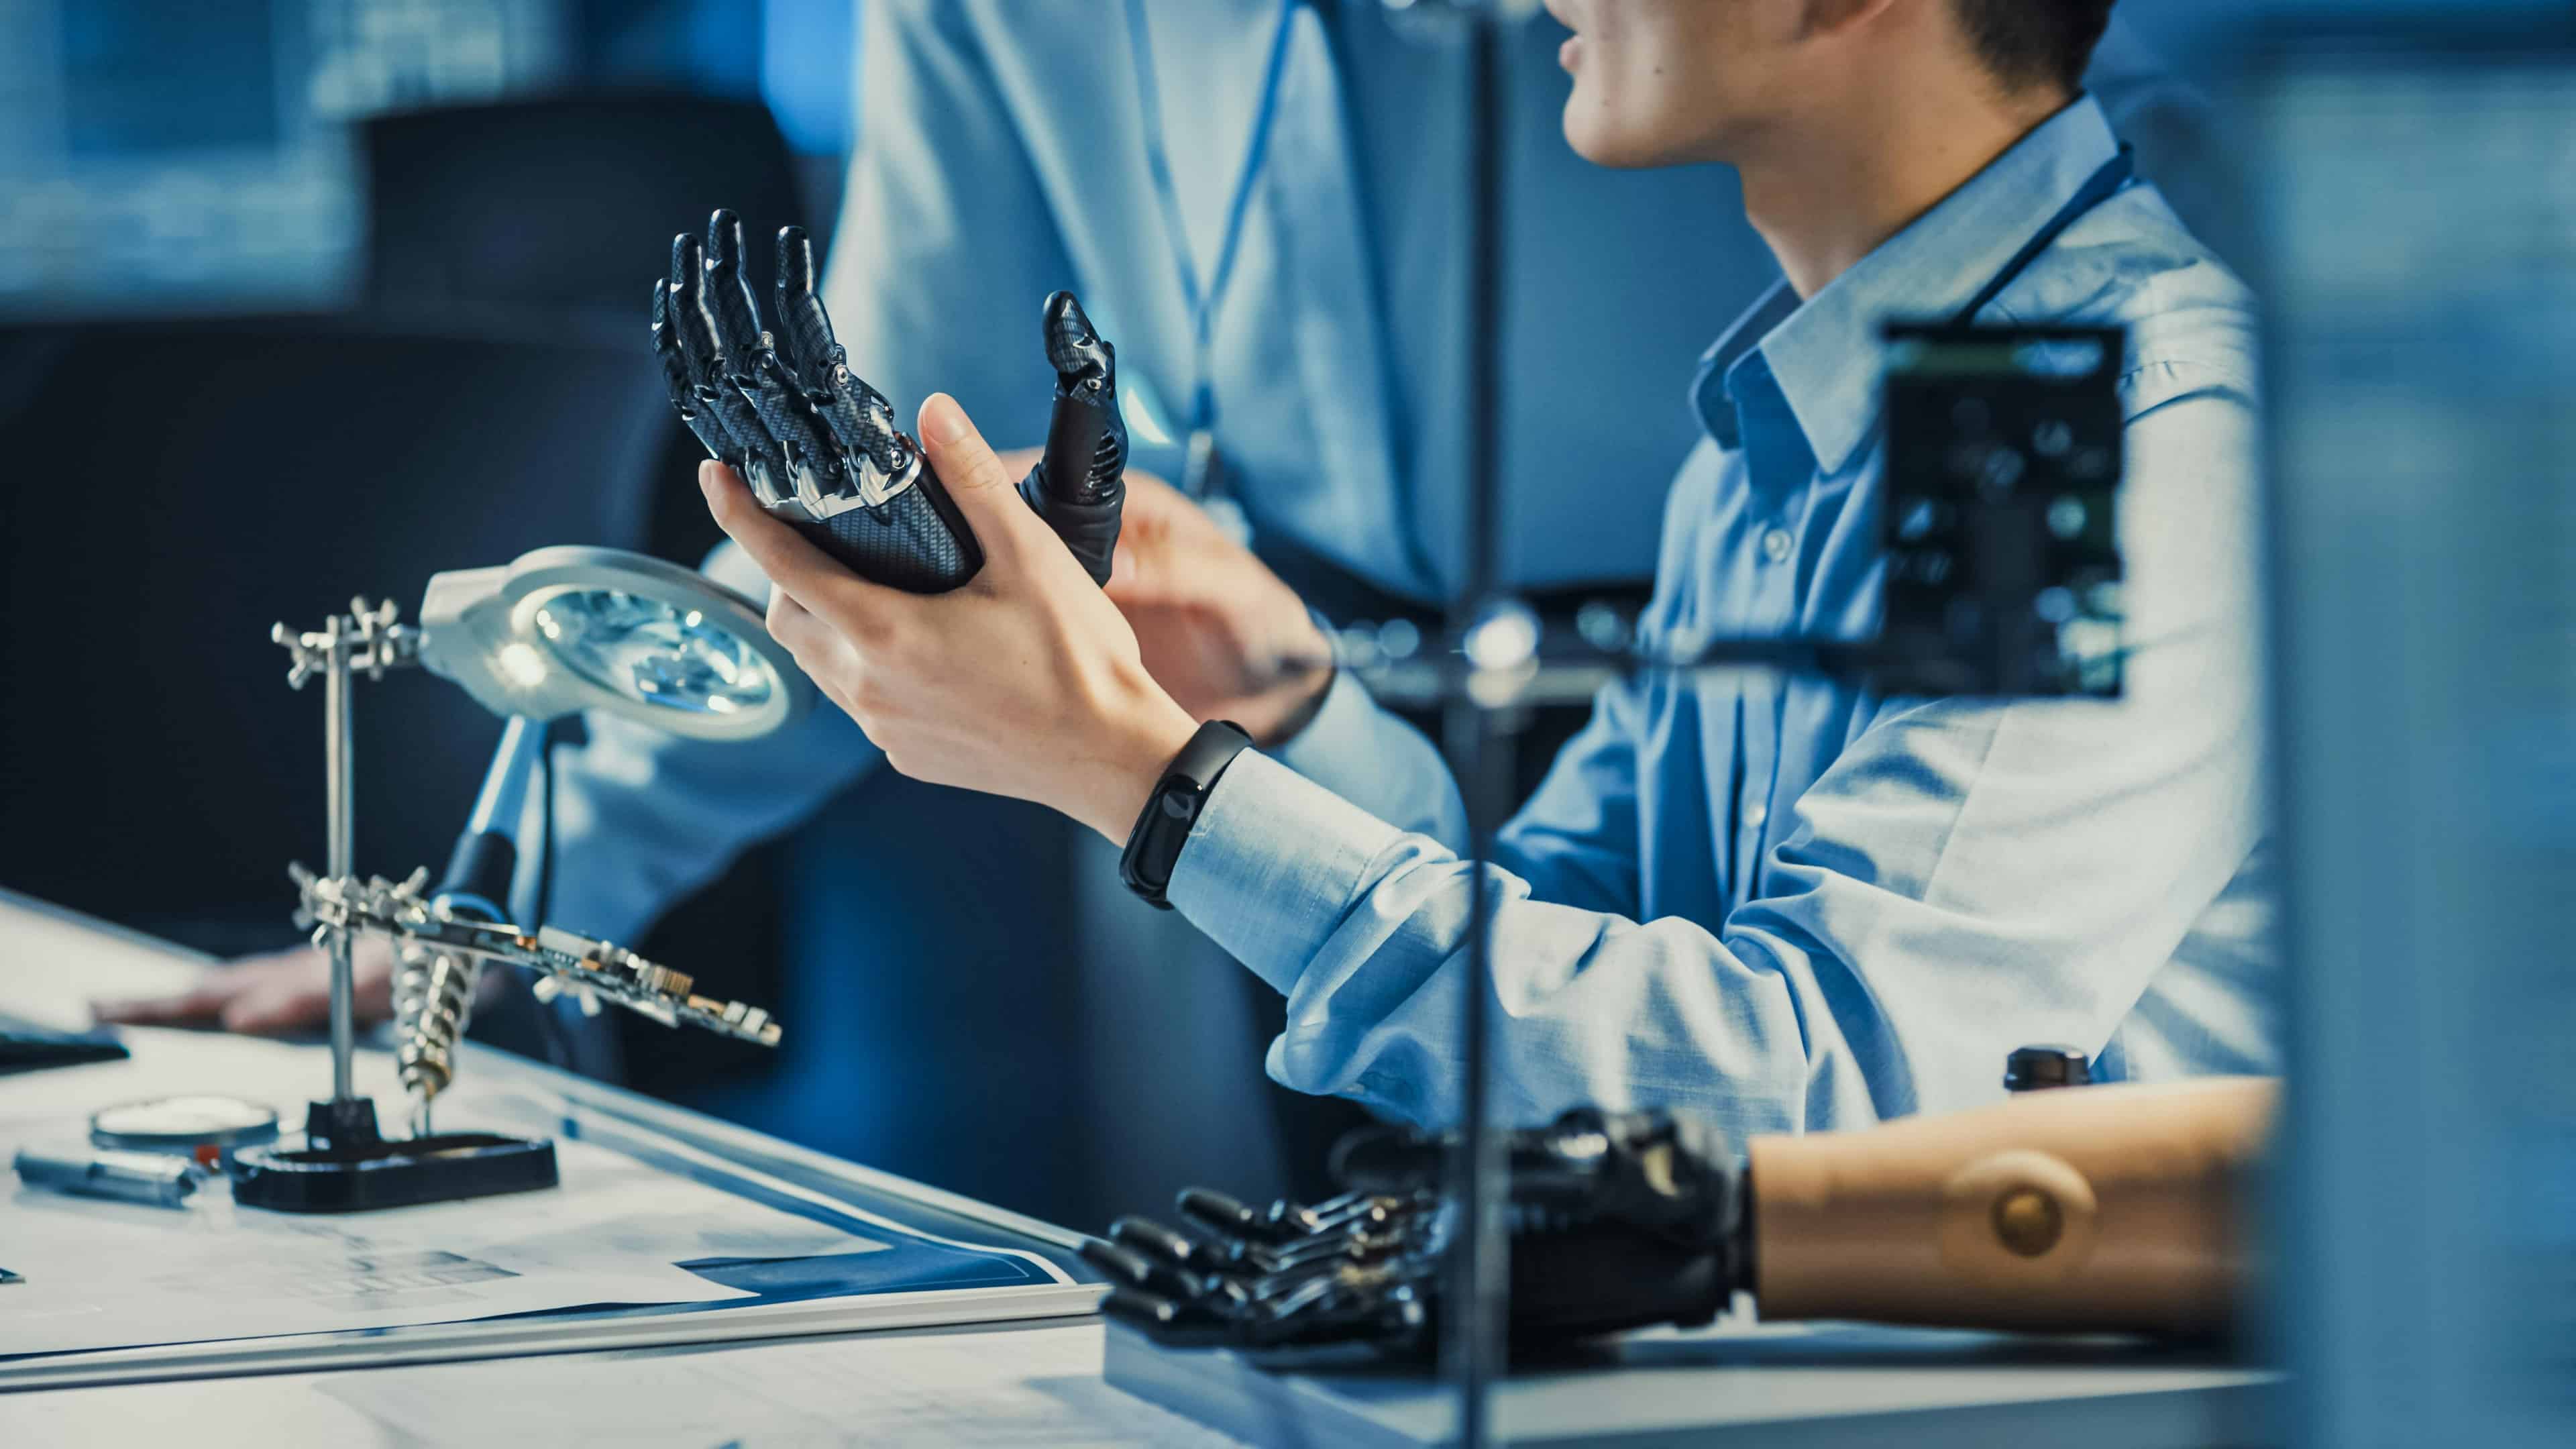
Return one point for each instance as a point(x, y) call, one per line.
point(1007, 1384)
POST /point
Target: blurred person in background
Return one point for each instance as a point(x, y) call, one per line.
point(1258, 202)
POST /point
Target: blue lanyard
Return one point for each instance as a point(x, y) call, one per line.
point(1202, 304)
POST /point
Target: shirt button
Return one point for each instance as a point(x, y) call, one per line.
point(1777, 545)
point(1755, 813)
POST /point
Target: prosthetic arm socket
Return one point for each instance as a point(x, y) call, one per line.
point(2110, 1208)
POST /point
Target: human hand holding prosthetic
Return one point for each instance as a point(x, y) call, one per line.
point(1023, 681)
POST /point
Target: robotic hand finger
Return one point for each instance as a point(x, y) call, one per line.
point(1285, 1276)
point(822, 449)
point(1618, 1220)
point(1078, 485)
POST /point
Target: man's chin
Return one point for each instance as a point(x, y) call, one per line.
point(1598, 139)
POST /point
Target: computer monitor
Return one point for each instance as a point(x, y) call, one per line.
point(2422, 280)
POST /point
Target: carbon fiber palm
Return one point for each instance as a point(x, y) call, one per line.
point(821, 449)
point(915, 541)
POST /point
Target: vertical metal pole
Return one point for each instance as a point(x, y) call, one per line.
point(338, 745)
point(1481, 752)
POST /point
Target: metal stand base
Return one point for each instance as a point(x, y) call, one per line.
point(346, 1165)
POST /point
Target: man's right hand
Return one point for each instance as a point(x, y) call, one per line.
point(285, 991)
point(1222, 634)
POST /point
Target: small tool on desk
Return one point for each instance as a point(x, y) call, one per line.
point(151, 1178)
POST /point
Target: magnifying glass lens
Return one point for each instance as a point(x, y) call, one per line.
point(654, 653)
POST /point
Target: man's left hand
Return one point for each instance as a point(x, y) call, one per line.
point(1025, 681)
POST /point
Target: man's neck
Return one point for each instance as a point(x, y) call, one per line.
point(1825, 195)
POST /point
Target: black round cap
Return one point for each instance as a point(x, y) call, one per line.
point(2037, 1068)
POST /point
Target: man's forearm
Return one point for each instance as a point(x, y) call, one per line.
point(1363, 926)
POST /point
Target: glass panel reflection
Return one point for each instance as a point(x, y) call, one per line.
point(650, 651)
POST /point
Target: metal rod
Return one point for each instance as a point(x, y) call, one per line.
point(338, 747)
point(1480, 747)
point(504, 797)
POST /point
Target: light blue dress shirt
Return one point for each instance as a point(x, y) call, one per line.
point(1790, 903)
point(1002, 155)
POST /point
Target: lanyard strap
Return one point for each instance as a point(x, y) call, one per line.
point(2105, 184)
point(1202, 305)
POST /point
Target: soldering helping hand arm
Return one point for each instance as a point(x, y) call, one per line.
point(821, 449)
point(591, 970)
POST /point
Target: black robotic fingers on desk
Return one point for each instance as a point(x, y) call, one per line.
point(1618, 1220)
point(1327, 1300)
point(1346, 1270)
point(1134, 1269)
point(1657, 1171)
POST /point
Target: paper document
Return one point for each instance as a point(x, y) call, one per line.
point(104, 1274)
point(988, 1387)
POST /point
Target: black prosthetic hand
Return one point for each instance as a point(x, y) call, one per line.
point(1079, 484)
point(1618, 1220)
point(819, 447)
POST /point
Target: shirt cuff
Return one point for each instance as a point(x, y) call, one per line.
point(1358, 750)
point(1273, 864)
point(1346, 716)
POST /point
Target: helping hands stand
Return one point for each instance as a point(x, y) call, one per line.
point(346, 1163)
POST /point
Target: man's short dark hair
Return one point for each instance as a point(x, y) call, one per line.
point(2036, 42)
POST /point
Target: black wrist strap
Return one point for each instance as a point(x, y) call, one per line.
point(1154, 845)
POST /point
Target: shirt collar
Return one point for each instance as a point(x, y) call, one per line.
point(1824, 356)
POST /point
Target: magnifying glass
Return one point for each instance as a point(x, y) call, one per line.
point(577, 628)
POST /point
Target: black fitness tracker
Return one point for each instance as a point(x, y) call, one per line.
point(1154, 846)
